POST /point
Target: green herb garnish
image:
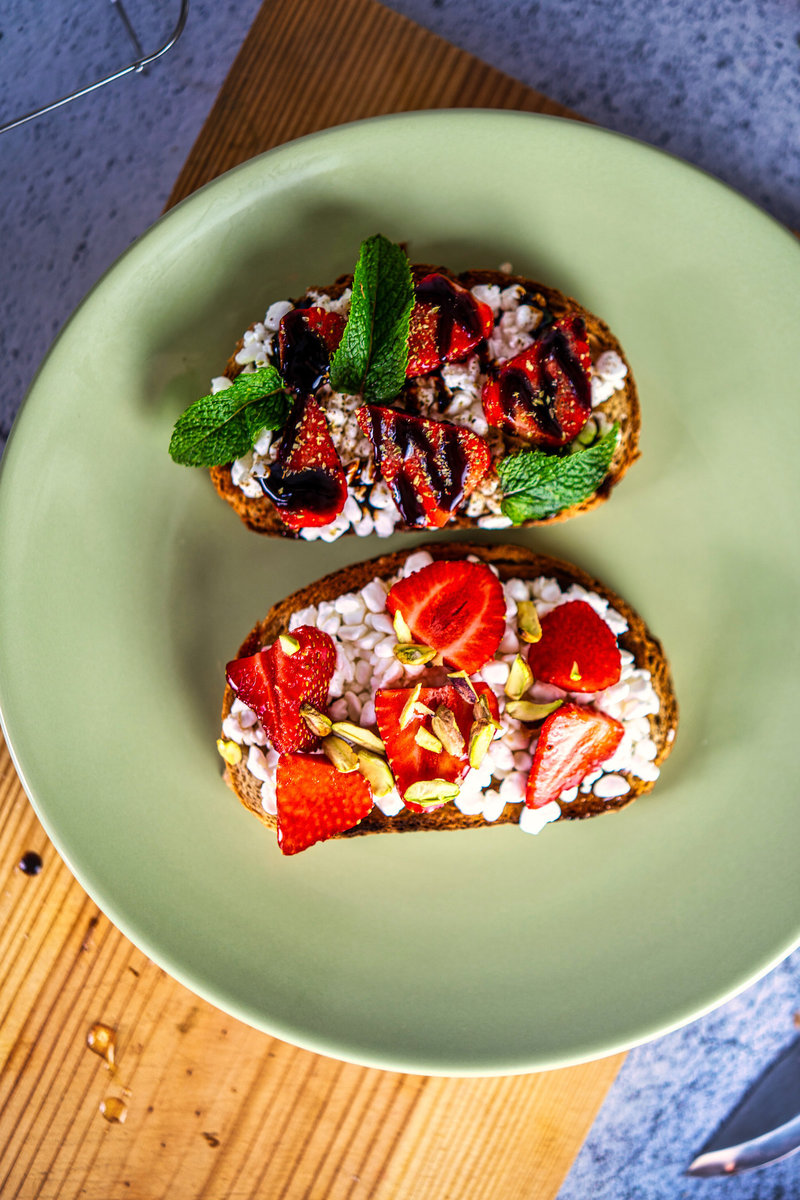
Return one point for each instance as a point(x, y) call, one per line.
point(217, 429)
point(373, 354)
point(537, 485)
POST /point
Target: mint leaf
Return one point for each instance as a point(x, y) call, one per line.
point(537, 485)
point(217, 429)
point(373, 353)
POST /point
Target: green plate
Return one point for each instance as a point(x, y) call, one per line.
point(125, 585)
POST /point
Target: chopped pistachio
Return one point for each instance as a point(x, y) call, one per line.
point(480, 739)
point(445, 727)
point(360, 737)
point(424, 738)
point(289, 644)
point(526, 710)
point(482, 713)
point(463, 685)
point(318, 722)
point(520, 678)
point(343, 757)
point(575, 674)
point(413, 708)
point(482, 732)
point(411, 654)
point(230, 751)
point(376, 771)
point(530, 630)
point(404, 634)
point(431, 791)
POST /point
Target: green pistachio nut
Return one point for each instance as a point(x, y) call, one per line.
point(520, 678)
point(359, 737)
point(376, 771)
point(342, 756)
point(526, 710)
point(431, 791)
point(411, 654)
point(428, 741)
point(404, 634)
point(289, 644)
point(444, 725)
point(319, 723)
point(530, 629)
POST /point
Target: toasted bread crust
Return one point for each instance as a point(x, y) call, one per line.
point(260, 515)
point(511, 562)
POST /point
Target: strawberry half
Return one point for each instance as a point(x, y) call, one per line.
point(544, 394)
point(446, 323)
point(577, 651)
point(430, 467)
point(458, 608)
point(306, 482)
point(572, 742)
point(411, 762)
point(274, 684)
point(316, 801)
point(307, 339)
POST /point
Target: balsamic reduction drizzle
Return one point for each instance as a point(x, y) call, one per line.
point(516, 388)
point(304, 358)
point(446, 465)
point(455, 307)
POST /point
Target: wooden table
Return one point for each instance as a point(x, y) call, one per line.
point(211, 1107)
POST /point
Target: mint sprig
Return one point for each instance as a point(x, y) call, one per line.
point(372, 356)
point(217, 429)
point(537, 485)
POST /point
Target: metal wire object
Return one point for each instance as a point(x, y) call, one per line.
point(138, 65)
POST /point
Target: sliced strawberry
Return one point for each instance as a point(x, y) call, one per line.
point(306, 482)
point(307, 339)
point(458, 608)
point(430, 467)
point(274, 684)
point(544, 394)
point(447, 322)
point(411, 762)
point(573, 741)
point(316, 801)
point(577, 651)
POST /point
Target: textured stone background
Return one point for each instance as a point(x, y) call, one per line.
point(717, 83)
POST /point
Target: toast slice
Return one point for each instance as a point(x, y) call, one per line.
point(510, 562)
point(615, 400)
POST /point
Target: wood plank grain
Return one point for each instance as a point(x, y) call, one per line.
point(213, 1108)
point(307, 65)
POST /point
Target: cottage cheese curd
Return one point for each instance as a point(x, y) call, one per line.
point(364, 637)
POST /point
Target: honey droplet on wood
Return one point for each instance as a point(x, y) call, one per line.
point(101, 1039)
point(114, 1109)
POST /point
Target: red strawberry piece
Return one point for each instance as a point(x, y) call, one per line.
point(307, 339)
point(458, 608)
point(316, 801)
point(411, 762)
point(577, 651)
point(446, 323)
point(274, 684)
point(573, 740)
point(544, 394)
point(306, 482)
point(430, 467)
